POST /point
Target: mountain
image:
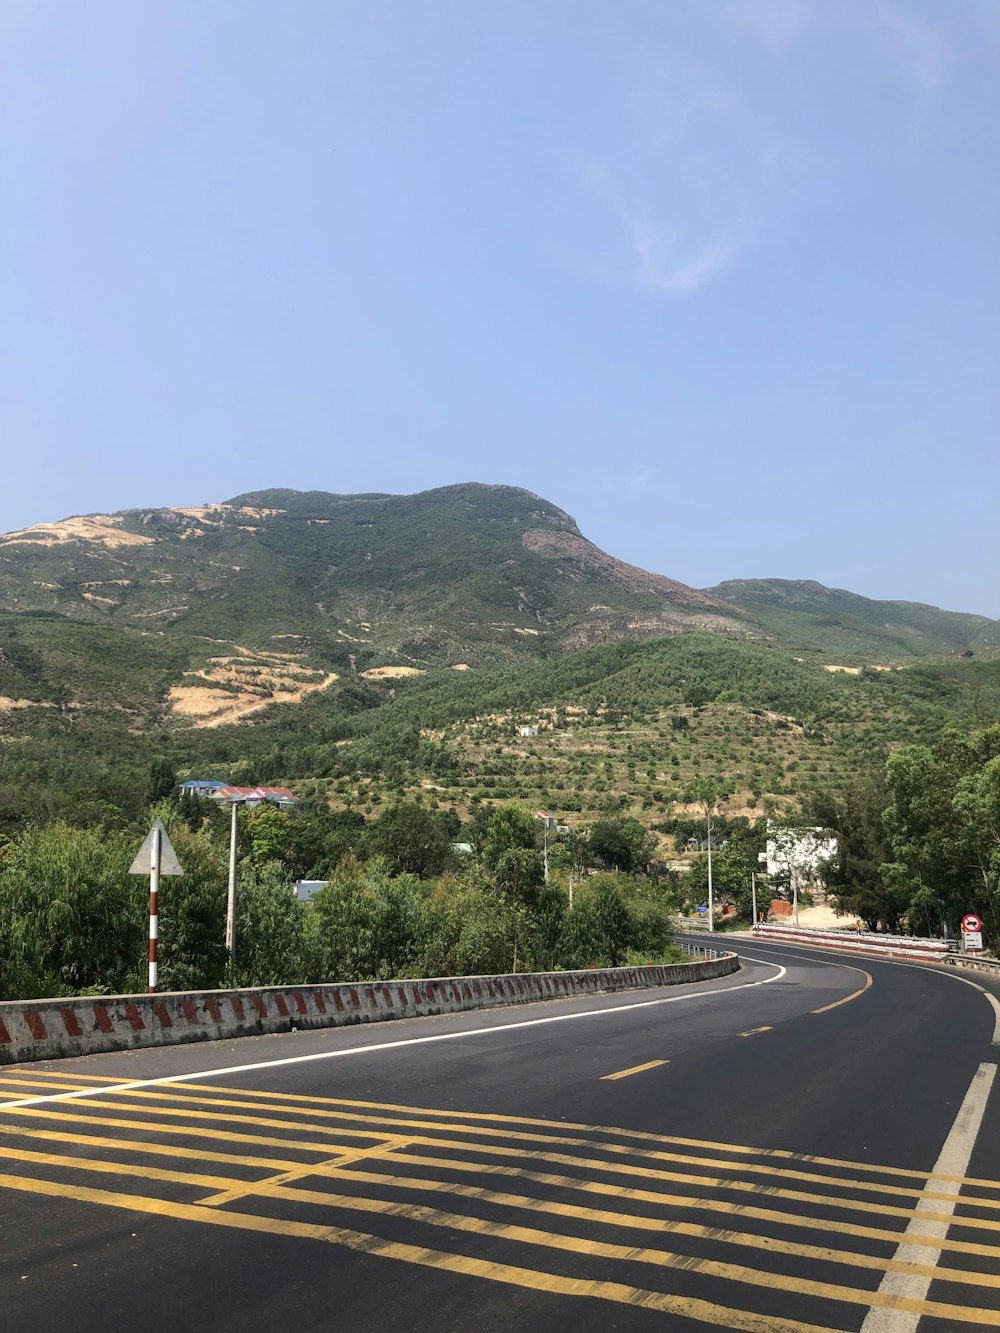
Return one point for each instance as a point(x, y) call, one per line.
point(209, 612)
point(806, 614)
point(415, 635)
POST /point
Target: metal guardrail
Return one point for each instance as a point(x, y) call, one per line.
point(700, 950)
point(990, 965)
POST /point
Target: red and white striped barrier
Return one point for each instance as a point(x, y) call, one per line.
point(880, 946)
point(49, 1029)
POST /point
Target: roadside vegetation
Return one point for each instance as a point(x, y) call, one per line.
point(399, 901)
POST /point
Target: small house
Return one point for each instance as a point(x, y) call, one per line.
point(527, 731)
point(201, 787)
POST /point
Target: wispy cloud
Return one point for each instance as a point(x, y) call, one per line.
point(775, 22)
point(921, 50)
point(665, 258)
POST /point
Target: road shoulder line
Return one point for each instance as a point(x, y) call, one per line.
point(954, 1158)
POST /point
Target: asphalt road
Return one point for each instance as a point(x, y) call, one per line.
point(754, 1153)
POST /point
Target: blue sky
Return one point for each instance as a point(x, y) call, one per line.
point(719, 277)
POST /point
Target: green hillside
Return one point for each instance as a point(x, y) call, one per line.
point(368, 647)
point(465, 573)
point(807, 615)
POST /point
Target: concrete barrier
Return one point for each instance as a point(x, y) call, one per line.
point(50, 1029)
point(879, 946)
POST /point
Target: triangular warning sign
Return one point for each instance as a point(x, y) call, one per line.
point(169, 864)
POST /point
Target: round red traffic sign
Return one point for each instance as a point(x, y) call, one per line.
point(971, 924)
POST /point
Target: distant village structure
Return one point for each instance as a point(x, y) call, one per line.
point(214, 790)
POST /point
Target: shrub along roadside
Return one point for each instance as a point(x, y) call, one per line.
point(72, 918)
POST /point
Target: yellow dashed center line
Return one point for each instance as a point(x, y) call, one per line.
point(636, 1069)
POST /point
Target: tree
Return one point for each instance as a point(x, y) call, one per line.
point(71, 916)
point(161, 781)
point(509, 853)
point(270, 928)
point(732, 867)
point(943, 823)
point(413, 840)
point(620, 844)
point(855, 875)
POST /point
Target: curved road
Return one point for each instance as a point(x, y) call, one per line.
point(810, 1144)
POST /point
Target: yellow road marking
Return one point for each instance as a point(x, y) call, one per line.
point(143, 1170)
point(23, 1081)
point(417, 1212)
point(566, 1160)
point(159, 1149)
point(752, 1031)
point(300, 1172)
point(336, 1166)
point(721, 1316)
point(567, 1183)
point(752, 1168)
point(642, 1221)
point(781, 1154)
point(562, 1159)
point(636, 1069)
point(691, 1202)
point(717, 1316)
point(848, 998)
point(274, 1188)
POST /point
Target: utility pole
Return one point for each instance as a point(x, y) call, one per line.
point(753, 896)
point(571, 890)
point(231, 896)
point(545, 852)
point(711, 901)
point(795, 903)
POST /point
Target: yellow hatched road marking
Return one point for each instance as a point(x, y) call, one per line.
point(602, 1188)
point(568, 1183)
point(636, 1069)
point(53, 1081)
point(848, 998)
point(706, 1312)
point(161, 1149)
point(532, 1236)
point(779, 1154)
point(643, 1222)
point(615, 1149)
point(570, 1244)
point(563, 1159)
point(301, 1172)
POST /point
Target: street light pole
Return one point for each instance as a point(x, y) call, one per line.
point(711, 902)
point(231, 896)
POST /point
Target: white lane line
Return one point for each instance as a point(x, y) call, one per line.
point(388, 1045)
point(953, 1161)
point(812, 949)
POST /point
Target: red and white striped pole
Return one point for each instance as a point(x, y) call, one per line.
point(154, 889)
